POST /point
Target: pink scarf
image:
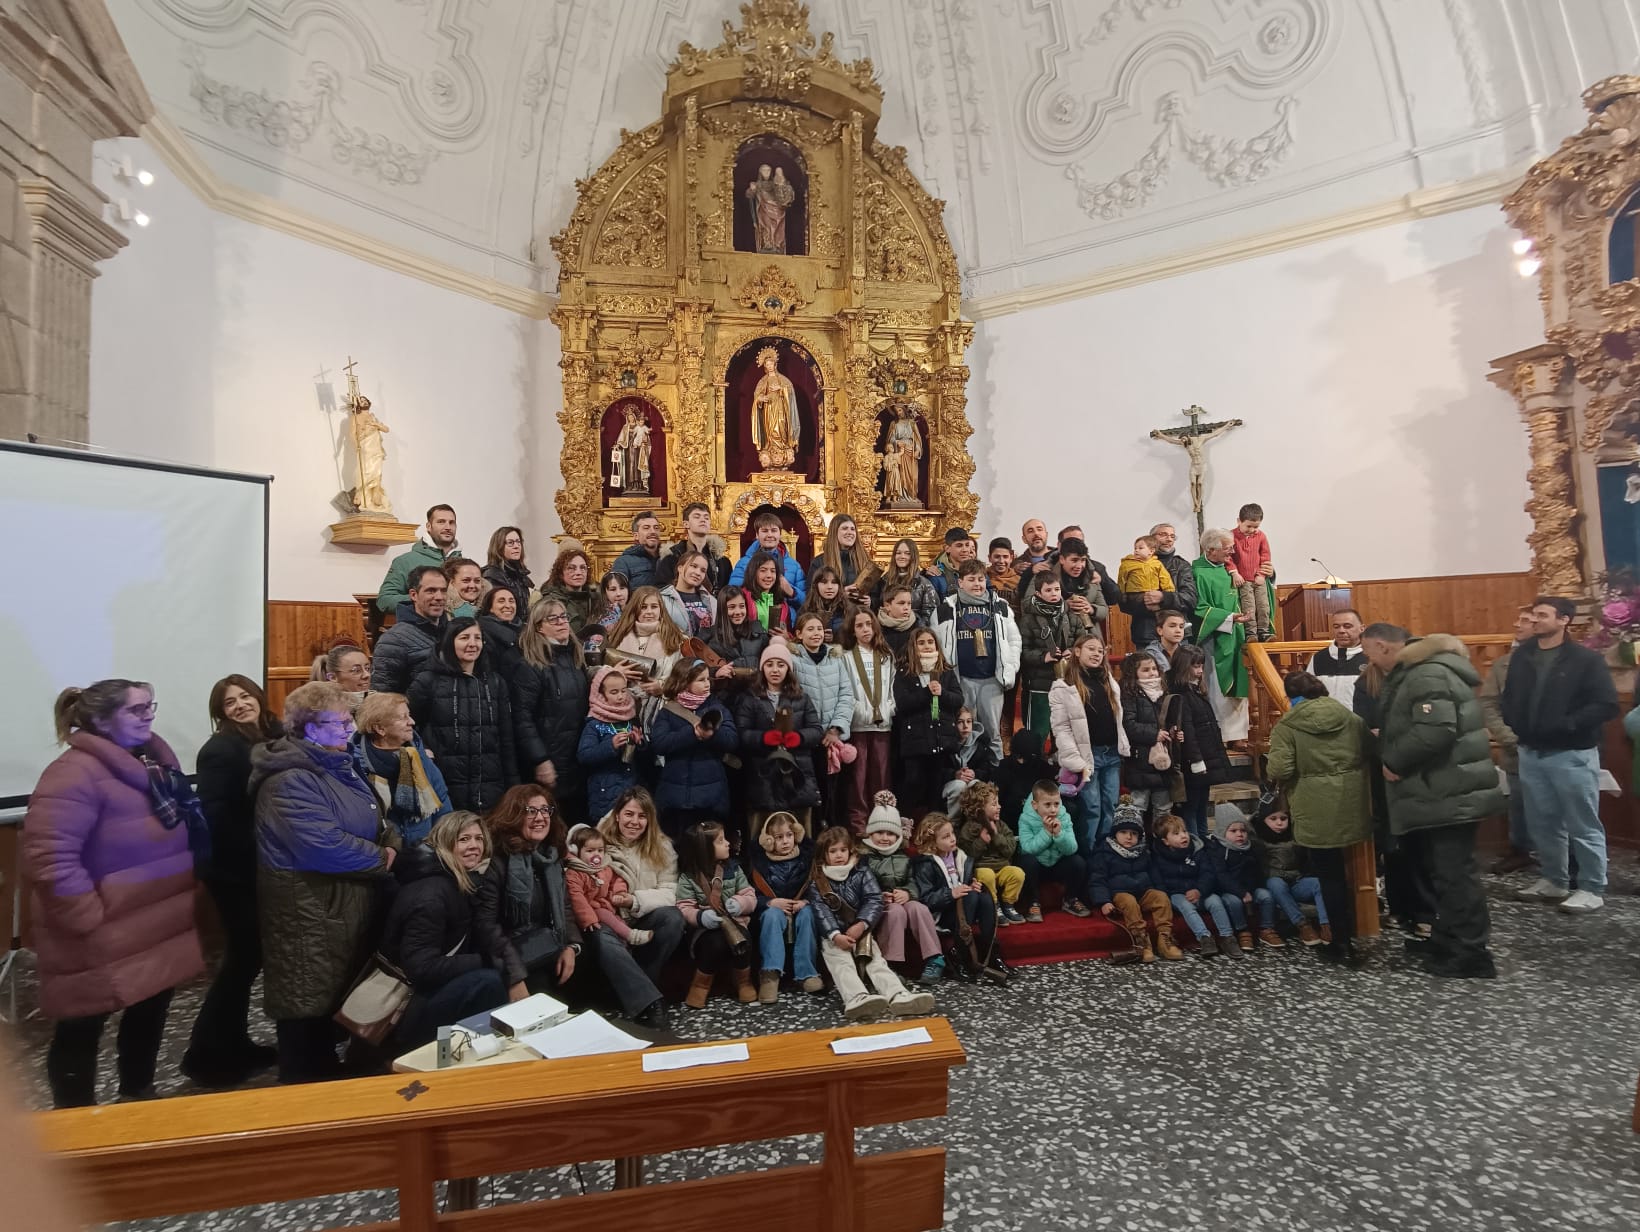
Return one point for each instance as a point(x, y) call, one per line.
point(601, 708)
point(693, 701)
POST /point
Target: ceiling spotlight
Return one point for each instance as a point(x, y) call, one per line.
point(1529, 266)
point(145, 178)
point(1522, 247)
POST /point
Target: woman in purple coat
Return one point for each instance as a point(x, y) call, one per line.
point(106, 850)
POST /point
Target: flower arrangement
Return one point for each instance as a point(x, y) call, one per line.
point(1616, 615)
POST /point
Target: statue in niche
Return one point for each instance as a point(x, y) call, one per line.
point(770, 196)
point(629, 456)
point(901, 454)
point(775, 424)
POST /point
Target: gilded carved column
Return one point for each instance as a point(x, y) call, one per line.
point(694, 441)
point(582, 468)
point(1540, 379)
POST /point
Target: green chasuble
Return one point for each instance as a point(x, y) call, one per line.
point(1215, 601)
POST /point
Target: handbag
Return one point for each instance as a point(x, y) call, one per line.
point(537, 946)
point(372, 1008)
point(1160, 757)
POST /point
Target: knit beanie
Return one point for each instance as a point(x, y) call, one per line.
point(1224, 813)
point(1130, 816)
point(885, 816)
point(776, 649)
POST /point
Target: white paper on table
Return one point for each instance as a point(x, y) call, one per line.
point(883, 1042)
point(685, 1058)
point(585, 1035)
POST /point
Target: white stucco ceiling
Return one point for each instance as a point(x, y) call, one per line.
point(1068, 137)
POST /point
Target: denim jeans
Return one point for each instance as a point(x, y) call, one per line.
point(1236, 910)
point(771, 941)
point(1304, 890)
point(1097, 802)
point(1191, 914)
point(1562, 790)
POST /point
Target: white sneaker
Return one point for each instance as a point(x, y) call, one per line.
point(1542, 891)
point(1580, 902)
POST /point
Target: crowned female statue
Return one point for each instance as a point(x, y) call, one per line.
point(775, 423)
point(901, 453)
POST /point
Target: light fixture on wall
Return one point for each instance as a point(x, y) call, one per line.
point(1529, 263)
point(128, 172)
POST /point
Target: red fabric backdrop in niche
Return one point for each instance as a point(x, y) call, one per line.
point(885, 421)
point(610, 430)
point(768, 150)
point(794, 524)
point(798, 367)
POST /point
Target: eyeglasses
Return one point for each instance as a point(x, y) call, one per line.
point(539, 810)
point(343, 723)
point(144, 710)
point(556, 617)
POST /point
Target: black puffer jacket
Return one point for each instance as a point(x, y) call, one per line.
point(500, 644)
point(224, 766)
point(404, 650)
point(430, 918)
point(1579, 697)
point(1203, 742)
point(495, 919)
point(754, 715)
point(549, 708)
point(919, 733)
point(466, 723)
point(1142, 720)
point(515, 579)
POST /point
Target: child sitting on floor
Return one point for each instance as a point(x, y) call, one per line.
point(1238, 885)
point(1023, 768)
point(974, 759)
point(998, 862)
point(1286, 877)
point(1180, 872)
point(951, 889)
point(848, 902)
point(1047, 835)
point(717, 902)
point(597, 893)
point(1122, 885)
point(903, 916)
point(782, 861)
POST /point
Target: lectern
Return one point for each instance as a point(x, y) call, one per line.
point(1306, 611)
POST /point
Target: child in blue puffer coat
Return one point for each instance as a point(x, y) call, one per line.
point(691, 732)
point(609, 741)
point(1179, 867)
point(1238, 885)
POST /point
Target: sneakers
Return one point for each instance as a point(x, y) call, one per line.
point(1581, 902)
point(1307, 934)
point(1271, 938)
point(1034, 914)
point(933, 970)
point(1543, 891)
point(866, 1005)
point(1078, 908)
point(639, 936)
point(910, 1004)
point(1010, 914)
point(813, 985)
point(1245, 940)
point(1229, 948)
point(768, 988)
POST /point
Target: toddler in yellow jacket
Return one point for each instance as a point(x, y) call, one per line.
point(1143, 570)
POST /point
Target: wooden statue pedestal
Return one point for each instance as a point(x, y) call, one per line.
point(1306, 612)
point(372, 530)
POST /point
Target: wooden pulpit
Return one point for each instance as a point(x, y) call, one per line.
point(1307, 609)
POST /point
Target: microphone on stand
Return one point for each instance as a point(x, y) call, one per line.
point(1332, 579)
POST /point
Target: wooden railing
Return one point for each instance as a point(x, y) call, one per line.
point(407, 1132)
point(1268, 665)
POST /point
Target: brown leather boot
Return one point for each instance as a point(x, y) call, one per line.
point(1141, 942)
point(699, 989)
point(744, 992)
point(1166, 946)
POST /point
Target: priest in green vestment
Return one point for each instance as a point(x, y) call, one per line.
point(1221, 632)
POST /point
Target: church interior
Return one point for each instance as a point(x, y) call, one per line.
point(923, 266)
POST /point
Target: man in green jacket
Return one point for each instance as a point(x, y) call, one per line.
point(1437, 762)
point(435, 545)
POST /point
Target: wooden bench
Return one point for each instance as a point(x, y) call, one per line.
point(407, 1132)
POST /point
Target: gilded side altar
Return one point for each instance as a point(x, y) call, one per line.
point(766, 378)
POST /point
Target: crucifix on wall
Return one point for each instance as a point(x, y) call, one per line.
point(1194, 440)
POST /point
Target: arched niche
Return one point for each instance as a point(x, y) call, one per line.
point(887, 415)
point(799, 538)
point(610, 426)
point(1623, 240)
point(767, 150)
point(741, 377)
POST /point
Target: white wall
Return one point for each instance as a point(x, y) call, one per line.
point(1372, 437)
point(208, 334)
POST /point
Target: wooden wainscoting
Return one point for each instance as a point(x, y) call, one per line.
point(297, 632)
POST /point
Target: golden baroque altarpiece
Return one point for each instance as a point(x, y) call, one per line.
point(688, 259)
point(1579, 391)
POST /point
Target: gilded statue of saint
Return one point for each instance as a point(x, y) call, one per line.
point(368, 495)
point(901, 453)
point(775, 424)
point(770, 196)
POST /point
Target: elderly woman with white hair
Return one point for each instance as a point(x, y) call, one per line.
point(324, 849)
point(1221, 630)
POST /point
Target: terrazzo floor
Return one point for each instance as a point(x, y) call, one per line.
point(1275, 1093)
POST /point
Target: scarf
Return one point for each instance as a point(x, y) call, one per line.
point(873, 688)
point(1151, 689)
point(927, 663)
point(1224, 840)
point(1042, 607)
point(521, 890)
point(601, 708)
point(818, 656)
point(410, 797)
point(1135, 852)
point(646, 628)
point(839, 872)
point(692, 701)
point(176, 804)
point(897, 624)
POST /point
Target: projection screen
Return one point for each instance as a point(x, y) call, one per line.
point(124, 567)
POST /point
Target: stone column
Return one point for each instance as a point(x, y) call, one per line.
point(65, 82)
point(1540, 379)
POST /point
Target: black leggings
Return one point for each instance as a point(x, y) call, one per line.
point(713, 953)
point(1070, 872)
point(221, 1038)
point(1330, 869)
point(71, 1060)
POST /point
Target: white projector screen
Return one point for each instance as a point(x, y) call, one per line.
point(122, 567)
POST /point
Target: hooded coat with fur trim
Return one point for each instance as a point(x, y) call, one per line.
point(1432, 736)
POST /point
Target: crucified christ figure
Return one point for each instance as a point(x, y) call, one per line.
point(1194, 440)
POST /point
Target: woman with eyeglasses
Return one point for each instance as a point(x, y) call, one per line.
point(549, 705)
point(106, 851)
point(505, 567)
point(220, 1050)
point(524, 914)
point(324, 853)
point(463, 710)
point(344, 664)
